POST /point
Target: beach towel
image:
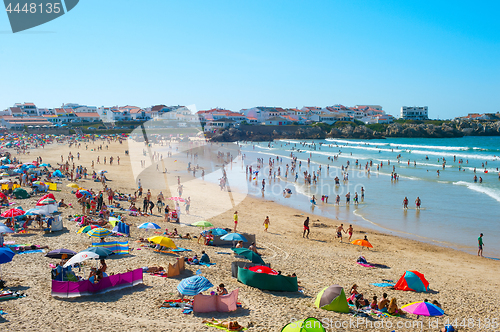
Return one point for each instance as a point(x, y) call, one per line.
point(365, 265)
point(206, 264)
point(223, 328)
point(383, 284)
point(181, 249)
point(118, 248)
point(30, 251)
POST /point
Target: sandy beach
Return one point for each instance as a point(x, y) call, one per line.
point(465, 285)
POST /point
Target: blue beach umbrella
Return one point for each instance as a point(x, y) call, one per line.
point(102, 252)
point(148, 225)
point(218, 231)
point(194, 285)
point(6, 255)
point(233, 237)
point(5, 229)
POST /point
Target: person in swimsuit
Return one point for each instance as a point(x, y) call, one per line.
point(266, 223)
point(339, 231)
point(350, 231)
point(405, 203)
point(230, 325)
point(347, 198)
point(418, 202)
point(306, 228)
point(235, 217)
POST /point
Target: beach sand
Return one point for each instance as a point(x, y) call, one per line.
point(466, 286)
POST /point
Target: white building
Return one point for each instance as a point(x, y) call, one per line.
point(414, 113)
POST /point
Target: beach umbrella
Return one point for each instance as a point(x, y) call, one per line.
point(333, 299)
point(202, 223)
point(249, 254)
point(423, 309)
point(363, 243)
point(4, 167)
point(102, 171)
point(39, 183)
point(47, 201)
point(218, 231)
point(4, 174)
point(148, 225)
point(176, 199)
point(32, 212)
point(5, 256)
point(6, 181)
point(18, 171)
point(2, 196)
point(46, 196)
point(86, 229)
point(72, 185)
point(84, 192)
point(5, 229)
point(310, 324)
point(162, 241)
point(194, 285)
point(263, 269)
point(233, 237)
point(412, 281)
point(44, 165)
point(12, 213)
point(113, 220)
point(99, 232)
point(60, 253)
point(80, 257)
point(100, 251)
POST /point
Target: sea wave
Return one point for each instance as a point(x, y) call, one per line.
point(493, 193)
point(355, 142)
point(433, 147)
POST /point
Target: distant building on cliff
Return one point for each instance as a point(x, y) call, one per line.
point(414, 113)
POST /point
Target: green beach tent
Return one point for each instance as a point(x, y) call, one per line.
point(310, 324)
point(20, 193)
point(333, 299)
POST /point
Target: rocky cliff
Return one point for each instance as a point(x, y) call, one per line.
point(424, 130)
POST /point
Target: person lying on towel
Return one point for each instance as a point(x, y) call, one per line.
point(230, 325)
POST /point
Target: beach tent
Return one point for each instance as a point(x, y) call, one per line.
point(20, 193)
point(310, 324)
point(270, 282)
point(57, 224)
point(412, 281)
point(333, 299)
point(57, 174)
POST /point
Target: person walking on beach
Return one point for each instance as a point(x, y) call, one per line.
point(266, 223)
point(306, 228)
point(340, 229)
point(350, 230)
point(480, 245)
point(405, 203)
point(235, 218)
point(418, 202)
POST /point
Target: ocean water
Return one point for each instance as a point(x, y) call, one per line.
point(455, 209)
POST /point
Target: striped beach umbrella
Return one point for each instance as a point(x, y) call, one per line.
point(423, 309)
point(194, 285)
point(86, 229)
point(99, 232)
point(148, 225)
point(47, 201)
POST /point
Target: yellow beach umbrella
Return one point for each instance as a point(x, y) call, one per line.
point(72, 185)
point(163, 241)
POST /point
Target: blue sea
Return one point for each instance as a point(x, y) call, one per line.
point(454, 211)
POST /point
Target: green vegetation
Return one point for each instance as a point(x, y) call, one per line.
point(378, 127)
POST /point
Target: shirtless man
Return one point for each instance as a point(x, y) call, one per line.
point(340, 229)
point(383, 303)
point(266, 224)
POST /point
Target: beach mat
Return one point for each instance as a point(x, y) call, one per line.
point(30, 251)
point(383, 284)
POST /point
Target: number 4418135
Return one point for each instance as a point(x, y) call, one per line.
point(34, 8)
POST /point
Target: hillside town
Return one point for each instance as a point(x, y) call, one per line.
point(28, 115)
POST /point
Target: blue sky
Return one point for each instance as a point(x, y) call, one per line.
point(240, 54)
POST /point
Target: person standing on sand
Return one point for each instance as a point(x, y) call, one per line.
point(340, 229)
point(266, 223)
point(480, 245)
point(306, 228)
point(418, 202)
point(235, 218)
point(405, 203)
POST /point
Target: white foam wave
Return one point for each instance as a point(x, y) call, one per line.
point(495, 194)
point(434, 147)
point(354, 142)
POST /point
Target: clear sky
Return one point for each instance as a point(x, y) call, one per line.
point(241, 54)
